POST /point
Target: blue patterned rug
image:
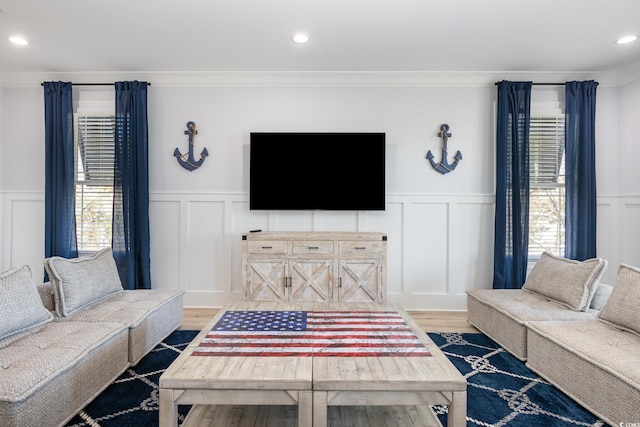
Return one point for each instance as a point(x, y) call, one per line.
point(501, 390)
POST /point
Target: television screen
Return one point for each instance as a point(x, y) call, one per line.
point(319, 171)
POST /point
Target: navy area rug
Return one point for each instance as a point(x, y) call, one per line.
point(501, 390)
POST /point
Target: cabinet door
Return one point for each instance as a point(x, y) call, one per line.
point(310, 279)
point(266, 279)
point(360, 280)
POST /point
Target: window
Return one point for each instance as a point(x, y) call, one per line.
point(94, 151)
point(547, 185)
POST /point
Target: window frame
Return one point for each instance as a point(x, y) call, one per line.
point(98, 153)
point(548, 110)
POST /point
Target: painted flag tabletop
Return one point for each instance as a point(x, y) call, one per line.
point(271, 333)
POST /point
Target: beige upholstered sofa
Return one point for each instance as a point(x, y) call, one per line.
point(63, 342)
point(556, 289)
point(591, 352)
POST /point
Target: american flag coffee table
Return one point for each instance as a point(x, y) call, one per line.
point(315, 356)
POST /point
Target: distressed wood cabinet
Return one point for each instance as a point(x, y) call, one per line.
point(314, 266)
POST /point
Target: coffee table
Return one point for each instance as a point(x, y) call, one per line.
point(319, 375)
point(229, 380)
point(392, 380)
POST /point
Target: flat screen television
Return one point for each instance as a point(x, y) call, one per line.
point(317, 171)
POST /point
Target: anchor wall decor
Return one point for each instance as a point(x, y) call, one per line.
point(443, 166)
point(187, 160)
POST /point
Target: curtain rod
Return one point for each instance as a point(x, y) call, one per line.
point(92, 84)
point(542, 84)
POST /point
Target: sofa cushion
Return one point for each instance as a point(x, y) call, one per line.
point(621, 308)
point(594, 363)
point(572, 283)
point(21, 308)
point(80, 282)
point(151, 315)
point(54, 371)
point(503, 315)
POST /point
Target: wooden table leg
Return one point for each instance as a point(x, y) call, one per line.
point(305, 408)
point(168, 411)
point(457, 412)
point(319, 409)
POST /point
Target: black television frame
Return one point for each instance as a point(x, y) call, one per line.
point(333, 171)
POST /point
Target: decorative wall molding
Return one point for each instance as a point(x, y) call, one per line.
point(439, 246)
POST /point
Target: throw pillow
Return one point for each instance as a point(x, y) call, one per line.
point(572, 283)
point(21, 308)
point(601, 296)
point(621, 308)
point(80, 282)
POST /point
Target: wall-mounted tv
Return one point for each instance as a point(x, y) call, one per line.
point(317, 171)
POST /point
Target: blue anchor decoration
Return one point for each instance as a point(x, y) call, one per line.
point(187, 161)
point(443, 166)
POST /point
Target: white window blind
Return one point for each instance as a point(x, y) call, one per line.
point(547, 185)
point(95, 158)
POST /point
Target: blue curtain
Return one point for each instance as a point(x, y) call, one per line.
point(511, 238)
point(131, 186)
point(59, 194)
point(580, 169)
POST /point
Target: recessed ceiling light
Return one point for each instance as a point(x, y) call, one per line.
point(626, 39)
point(18, 40)
point(300, 38)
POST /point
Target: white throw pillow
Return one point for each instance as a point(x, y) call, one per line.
point(621, 308)
point(572, 283)
point(80, 282)
point(21, 308)
point(601, 296)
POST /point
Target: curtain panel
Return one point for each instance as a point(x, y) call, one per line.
point(59, 195)
point(511, 237)
point(580, 165)
point(131, 186)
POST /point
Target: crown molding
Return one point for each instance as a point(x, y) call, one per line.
point(628, 74)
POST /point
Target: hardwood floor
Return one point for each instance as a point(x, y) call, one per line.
point(430, 321)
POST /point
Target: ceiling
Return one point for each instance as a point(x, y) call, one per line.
point(346, 35)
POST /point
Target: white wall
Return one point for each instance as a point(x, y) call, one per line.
point(2, 156)
point(626, 223)
point(440, 228)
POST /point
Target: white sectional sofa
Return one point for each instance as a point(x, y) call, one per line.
point(63, 342)
point(586, 344)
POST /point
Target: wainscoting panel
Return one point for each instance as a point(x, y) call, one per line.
point(165, 224)
point(23, 237)
point(438, 246)
point(471, 247)
point(206, 256)
point(604, 245)
point(425, 260)
point(631, 231)
point(291, 220)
